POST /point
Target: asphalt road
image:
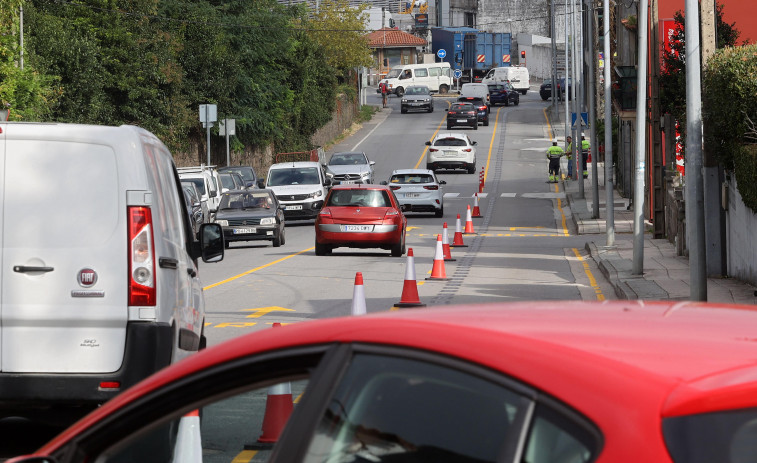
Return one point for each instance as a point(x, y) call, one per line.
point(523, 249)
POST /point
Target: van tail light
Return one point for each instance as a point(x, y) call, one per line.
point(141, 257)
point(431, 187)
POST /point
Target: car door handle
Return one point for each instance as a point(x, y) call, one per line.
point(191, 272)
point(31, 269)
point(168, 262)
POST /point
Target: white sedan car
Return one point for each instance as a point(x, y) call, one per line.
point(419, 189)
point(451, 150)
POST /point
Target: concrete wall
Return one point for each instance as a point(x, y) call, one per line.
point(741, 224)
point(514, 16)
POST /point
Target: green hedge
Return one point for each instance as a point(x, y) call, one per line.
point(729, 99)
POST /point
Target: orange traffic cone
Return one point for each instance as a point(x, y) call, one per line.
point(437, 271)
point(476, 211)
point(445, 244)
point(278, 407)
point(457, 241)
point(409, 296)
point(469, 224)
point(358, 296)
point(188, 446)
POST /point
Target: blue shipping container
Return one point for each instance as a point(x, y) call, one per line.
point(468, 49)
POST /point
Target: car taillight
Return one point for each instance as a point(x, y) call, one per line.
point(431, 187)
point(433, 150)
point(325, 212)
point(482, 108)
point(394, 187)
point(467, 150)
point(391, 212)
point(141, 257)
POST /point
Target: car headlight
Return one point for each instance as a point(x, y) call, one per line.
point(223, 223)
point(427, 100)
point(404, 100)
point(365, 175)
point(267, 221)
point(317, 194)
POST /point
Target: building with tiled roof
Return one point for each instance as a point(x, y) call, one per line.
point(393, 47)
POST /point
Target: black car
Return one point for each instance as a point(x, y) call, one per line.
point(246, 172)
point(545, 91)
point(464, 114)
point(249, 215)
point(503, 93)
point(417, 97)
point(482, 109)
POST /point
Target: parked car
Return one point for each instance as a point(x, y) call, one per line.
point(203, 202)
point(418, 190)
point(538, 382)
point(247, 172)
point(503, 93)
point(462, 114)
point(208, 183)
point(360, 216)
point(545, 89)
point(250, 215)
point(451, 150)
point(194, 208)
point(417, 97)
point(350, 167)
point(231, 181)
point(300, 187)
point(112, 295)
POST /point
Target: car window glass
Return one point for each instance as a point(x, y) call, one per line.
point(434, 72)
point(421, 72)
point(450, 142)
point(396, 409)
point(227, 181)
point(725, 437)
point(555, 438)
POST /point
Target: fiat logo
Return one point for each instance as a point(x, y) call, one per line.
point(87, 277)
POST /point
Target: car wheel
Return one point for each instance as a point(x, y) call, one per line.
point(431, 108)
point(517, 101)
point(226, 244)
point(443, 89)
point(430, 166)
point(439, 212)
point(524, 92)
point(475, 127)
point(277, 242)
point(403, 110)
point(472, 168)
point(399, 249)
point(400, 92)
point(507, 102)
point(321, 249)
point(283, 235)
point(486, 121)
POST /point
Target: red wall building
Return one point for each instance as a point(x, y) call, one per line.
point(741, 12)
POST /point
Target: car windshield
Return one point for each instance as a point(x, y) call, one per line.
point(347, 159)
point(245, 200)
point(294, 176)
point(417, 91)
point(496, 88)
point(359, 198)
point(462, 107)
point(411, 178)
point(199, 184)
point(394, 73)
point(450, 141)
point(227, 181)
point(245, 172)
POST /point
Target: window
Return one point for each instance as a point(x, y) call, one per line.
point(409, 410)
point(422, 72)
point(434, 72)
point(554, 438)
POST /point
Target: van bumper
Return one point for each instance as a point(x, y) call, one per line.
point(148, 349)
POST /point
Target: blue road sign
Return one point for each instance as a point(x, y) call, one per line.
point(584, 119)
point(458, 73)
point(441, 53)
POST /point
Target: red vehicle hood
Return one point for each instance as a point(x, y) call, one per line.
point(358, 214)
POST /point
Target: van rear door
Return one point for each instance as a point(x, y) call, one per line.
point(64, 278)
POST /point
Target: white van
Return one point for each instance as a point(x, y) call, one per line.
point(300, 187)
point(518, 76)
point(207, 180)
point(436, 76)
point(99, 285)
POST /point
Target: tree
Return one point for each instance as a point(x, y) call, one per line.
point(339, 30)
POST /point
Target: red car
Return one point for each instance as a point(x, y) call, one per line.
point(538, 382)
point(360, 216)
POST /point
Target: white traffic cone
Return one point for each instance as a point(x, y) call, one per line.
point(188, 447)
point(358, 296)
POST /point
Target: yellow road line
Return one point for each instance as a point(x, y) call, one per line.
point(491, 145)
point(592, 280)
point(245, 456)
point(549, 126)
point(256, 269)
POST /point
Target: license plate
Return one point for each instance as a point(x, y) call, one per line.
point(462, 120)
point(357, 228)
point(347, 182)
point(296, 207)
point(450, 153)
point(243, 231)
point(412, 195)
point(416, 104)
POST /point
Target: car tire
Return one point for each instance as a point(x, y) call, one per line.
point(472, 168)
point(430, 167)
point(321, 249)
point(439, 212)
point(524, 91)
point(283, 235)
point(517, 102)
point(431, 108)
point(475, 127)
point(226, 244)
point(399, 249)
point(443, 89)
point(400, 92)
point(486, 121)
point(507, 102)
point(403, 110)
point(276, 241)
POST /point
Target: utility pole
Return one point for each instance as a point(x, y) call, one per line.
point(575, 84)
point(553, 32)
point(641, 132)
point(21, 37)
point(658, 177)
point(694, 181)
point(567, 80)
point(593, 109)
point(609, 185)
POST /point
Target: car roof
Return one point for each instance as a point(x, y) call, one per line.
point(611, 359)
point(285, 165)
point(442, 135)
point(412, 171)
point(360, 186)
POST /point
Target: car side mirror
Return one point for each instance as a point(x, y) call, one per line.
point(475, 143)
point(327, 182)
point(372, 163)
point(211, 242)
point(442, 182)
point(428, 143)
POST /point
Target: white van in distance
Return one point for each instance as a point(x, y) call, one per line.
point(98, 258)
point(300, 187)
point(518, 76)
point(436, 76)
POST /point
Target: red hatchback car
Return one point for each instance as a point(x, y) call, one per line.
point(539, 382)
point(360, 216)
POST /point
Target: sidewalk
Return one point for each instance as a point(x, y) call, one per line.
point(664, 274)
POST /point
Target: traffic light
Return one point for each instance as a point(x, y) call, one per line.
point(523, 54)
